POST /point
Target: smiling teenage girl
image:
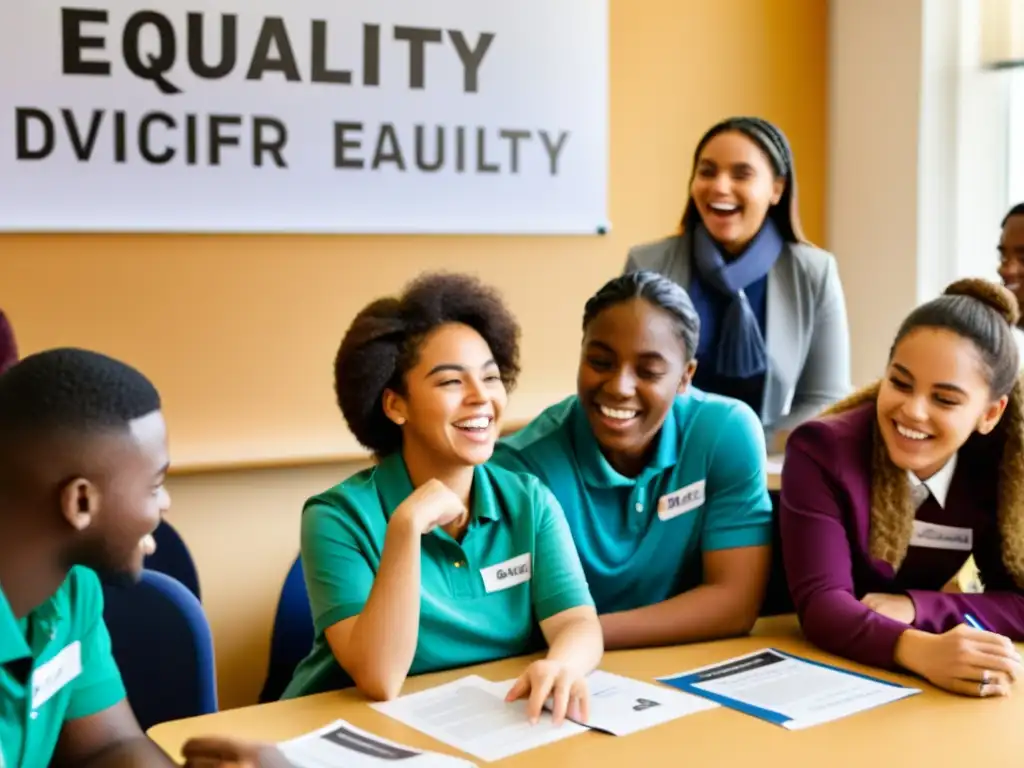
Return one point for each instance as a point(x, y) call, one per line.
point(663, 485)
point(884, 499)
point(773, 322)
point(434, 559)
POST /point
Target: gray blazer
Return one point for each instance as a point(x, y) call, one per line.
point(807, 335)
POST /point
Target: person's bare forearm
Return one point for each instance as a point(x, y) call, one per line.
point(384, 637)
point(707, 612)
point(578, 645)
point(131, 753)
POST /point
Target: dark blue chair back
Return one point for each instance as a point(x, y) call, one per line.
point(173, 558)
point(162, 644)
point(292, 637)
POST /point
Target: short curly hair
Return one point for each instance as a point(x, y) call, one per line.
point(384, 340)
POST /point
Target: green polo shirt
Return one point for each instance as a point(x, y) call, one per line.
point(641, 538)
point(55, 665)
point(481, 598)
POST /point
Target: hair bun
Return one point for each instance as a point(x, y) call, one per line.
point(1000, 298)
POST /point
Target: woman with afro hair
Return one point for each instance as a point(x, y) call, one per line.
point(433, 558)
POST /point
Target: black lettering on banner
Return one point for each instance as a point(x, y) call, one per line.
point(482, 166)
point(24, 150)
point(274, 145)
point(217, 139)
point(393, 154)
point(421, 161)
point(460, 149)
point(341, 143)
point(273, 33)
point(157, 64)
point(514, 137)
point(321, 73)
point(74, 41)
point(417, 37)
point(191, 140)
point(371, 54)
point(228, 47)
point(554, 150)
point(120, 137)
point(471, 57)
point(145, 146)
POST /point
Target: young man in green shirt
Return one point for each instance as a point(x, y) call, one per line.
point(83, 455)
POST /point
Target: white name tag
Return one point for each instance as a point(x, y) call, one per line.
point(684, 500)
point(56, 673)
point(936, 536)
point(508, 574)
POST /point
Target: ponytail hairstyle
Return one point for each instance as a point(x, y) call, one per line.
point(985, 313)
point(774, 144)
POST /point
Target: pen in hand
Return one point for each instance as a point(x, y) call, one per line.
point(973, 622)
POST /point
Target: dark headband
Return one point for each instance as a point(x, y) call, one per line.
point(770, 138)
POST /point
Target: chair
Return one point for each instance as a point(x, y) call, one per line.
point(293, 634)
point(162, 644)
point(173, 558)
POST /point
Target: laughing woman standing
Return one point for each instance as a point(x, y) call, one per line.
point(773, 321)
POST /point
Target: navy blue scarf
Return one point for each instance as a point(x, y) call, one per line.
point(741, 349)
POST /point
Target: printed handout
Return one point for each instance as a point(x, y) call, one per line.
point(342, 745)
point(471, 715)
point(787, 690)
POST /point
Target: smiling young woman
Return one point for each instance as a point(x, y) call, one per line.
point(774, 328)
point(885, 498)
point(663, 485)
point(433, 558)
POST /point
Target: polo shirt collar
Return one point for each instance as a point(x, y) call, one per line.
point(394, 486)
point(12, 639)
point(596, 470)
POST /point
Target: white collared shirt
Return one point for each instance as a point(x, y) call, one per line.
point(937, 484)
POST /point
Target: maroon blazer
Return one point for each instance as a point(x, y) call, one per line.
point(824, 516)
point(8, 349)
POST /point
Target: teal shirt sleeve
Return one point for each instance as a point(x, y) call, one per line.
point(558, 579)
point(99, 685)
point(338, 574)
point(739, 512)
point(507, 457)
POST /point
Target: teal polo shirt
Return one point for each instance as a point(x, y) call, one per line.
point(55, 666)
point(481, 598)
point(641, 538)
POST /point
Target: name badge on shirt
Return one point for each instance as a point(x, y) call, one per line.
point(508, 574)
point(49, 678)
point(936, 536)
point(685, 499)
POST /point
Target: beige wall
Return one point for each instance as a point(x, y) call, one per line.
point(239, 331)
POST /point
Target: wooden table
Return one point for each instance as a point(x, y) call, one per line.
point(933, 729)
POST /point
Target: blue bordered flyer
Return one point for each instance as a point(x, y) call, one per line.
point(788, 690)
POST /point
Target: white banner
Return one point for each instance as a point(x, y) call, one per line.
point(371, 116)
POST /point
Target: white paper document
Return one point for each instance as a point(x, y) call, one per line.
point(773, 464)
point(787, 690)
point(471, 714)
point(341, 745)
point(621, 705)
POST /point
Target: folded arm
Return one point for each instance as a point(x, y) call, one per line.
point(818, 560)
point(370, 621)
point(735, 543)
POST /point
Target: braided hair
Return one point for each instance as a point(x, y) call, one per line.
point(773, 142)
